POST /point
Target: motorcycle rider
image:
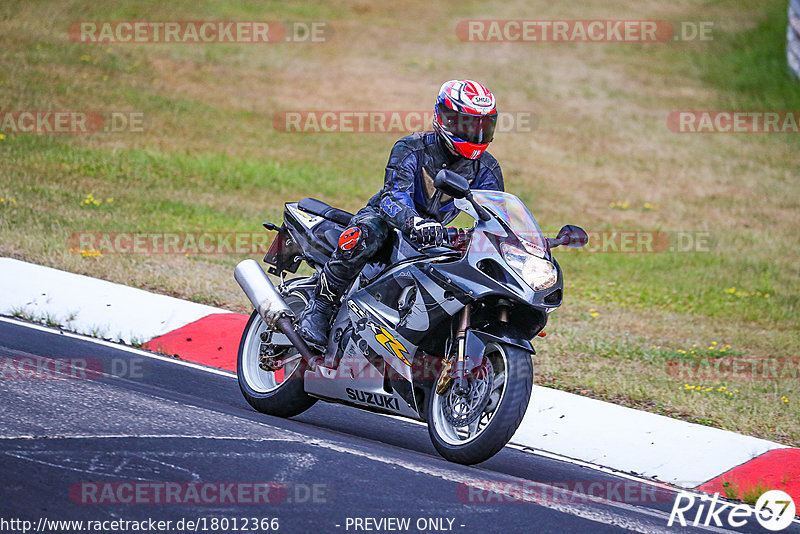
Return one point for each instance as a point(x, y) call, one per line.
point(464, 120)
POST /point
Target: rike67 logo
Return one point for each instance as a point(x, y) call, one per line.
point(774, 511)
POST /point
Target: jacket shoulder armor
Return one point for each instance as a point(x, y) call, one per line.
point(415, 141)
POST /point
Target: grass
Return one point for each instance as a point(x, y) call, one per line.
point(601, 157)
point(750, 66)
point(748, 494)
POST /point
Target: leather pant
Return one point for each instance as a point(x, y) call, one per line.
point(364, 236)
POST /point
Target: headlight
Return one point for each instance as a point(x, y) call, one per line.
point(537, 272)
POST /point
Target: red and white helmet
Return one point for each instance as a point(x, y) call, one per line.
point(465, 116)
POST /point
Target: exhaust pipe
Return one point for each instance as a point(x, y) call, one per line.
point(270, 305)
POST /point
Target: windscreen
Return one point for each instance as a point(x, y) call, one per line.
point(514, 213)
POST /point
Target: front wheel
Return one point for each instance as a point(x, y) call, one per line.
point(471, 426)
point(280, 392)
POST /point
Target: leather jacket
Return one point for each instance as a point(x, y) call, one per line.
point(408, 189)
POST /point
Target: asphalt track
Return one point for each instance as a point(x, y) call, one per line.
point(147, 420)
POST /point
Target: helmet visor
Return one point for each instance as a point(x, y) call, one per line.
point(471, 128)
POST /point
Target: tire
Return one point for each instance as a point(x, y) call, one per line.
point(268, 392)
point(505, 418)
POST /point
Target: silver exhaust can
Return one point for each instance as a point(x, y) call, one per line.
point(261, 292)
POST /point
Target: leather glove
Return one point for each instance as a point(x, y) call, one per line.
point(426, 231)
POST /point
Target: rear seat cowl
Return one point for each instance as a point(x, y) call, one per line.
point(317, 207)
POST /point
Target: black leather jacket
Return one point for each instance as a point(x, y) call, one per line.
point(408, 190)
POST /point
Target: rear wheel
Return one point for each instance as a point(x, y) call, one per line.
point(471, 426)
point(280, 392)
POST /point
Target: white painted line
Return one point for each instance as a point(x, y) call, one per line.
point(88, 305)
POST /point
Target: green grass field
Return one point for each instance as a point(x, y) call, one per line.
point(601, 157)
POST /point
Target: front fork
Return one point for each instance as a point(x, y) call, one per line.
point(446, 376)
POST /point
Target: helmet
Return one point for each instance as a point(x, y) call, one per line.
point(464, 117)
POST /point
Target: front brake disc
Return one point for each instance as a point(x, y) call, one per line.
point(461, 410)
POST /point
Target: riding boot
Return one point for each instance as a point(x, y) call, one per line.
point(315, 322)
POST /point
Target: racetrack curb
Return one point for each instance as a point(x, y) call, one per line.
point(588, 430)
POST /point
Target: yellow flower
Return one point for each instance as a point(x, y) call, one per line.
point(86, 57)
point(713, 342)
point(90, 200)
point(595, 314)
point(681, 351)
point(711, 347)
point(2, 137)
point(766, 296)
point(731, 290)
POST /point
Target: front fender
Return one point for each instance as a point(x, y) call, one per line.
point(477, 340)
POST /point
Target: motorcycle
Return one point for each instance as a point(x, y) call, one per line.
point(440, 334)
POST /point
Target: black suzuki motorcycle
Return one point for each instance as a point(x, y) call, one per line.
point(440, 334)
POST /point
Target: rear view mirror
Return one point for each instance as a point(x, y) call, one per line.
point(569, 236)
point(451, 183)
